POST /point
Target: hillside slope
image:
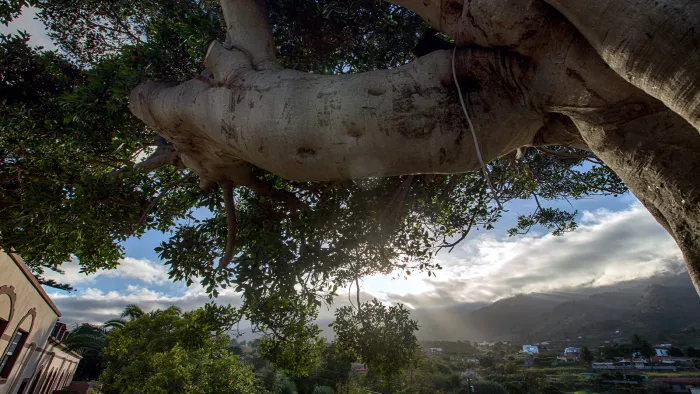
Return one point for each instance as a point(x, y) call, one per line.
point(653, 308)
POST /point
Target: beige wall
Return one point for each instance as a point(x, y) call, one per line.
point(28, 308)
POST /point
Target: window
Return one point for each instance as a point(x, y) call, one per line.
point(3, 326)
point(22, 386)
point(13, 351)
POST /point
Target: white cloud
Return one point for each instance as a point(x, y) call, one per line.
point(27, 22)
point(607, 248)
point(93, 305)
point(129, 268)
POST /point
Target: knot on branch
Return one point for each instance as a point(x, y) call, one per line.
point(226, 63)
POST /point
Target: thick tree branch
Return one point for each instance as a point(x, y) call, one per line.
point(249, 30)
point(225, 65)
point(163, 156)
point(313, 127)
point(559, 130)
point(230, 206)
point(430, 10)
point(408, 120)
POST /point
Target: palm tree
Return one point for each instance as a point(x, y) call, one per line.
point(130, 313)
point(86, 338)
point(112, 324)
point(89, 337)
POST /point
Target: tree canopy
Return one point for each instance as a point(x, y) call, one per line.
point(171, 352)
point(80, 174)
point(380, 336)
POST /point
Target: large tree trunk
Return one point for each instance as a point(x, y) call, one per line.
point(526, 64)
point(653, 44)
point(657, 154)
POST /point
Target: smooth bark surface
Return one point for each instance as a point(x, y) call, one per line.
point(248, 30)
point(654, 44)
point(312, 127)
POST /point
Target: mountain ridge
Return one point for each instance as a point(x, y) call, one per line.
point(653, 307)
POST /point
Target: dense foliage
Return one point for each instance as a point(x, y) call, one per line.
point(69, 189)
point(381, 337)
point(454, 370)
point(173, 352)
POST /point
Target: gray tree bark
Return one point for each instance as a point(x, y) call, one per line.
point(653, 44)
point(523, 66)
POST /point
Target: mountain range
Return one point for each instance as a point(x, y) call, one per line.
point(656, 308)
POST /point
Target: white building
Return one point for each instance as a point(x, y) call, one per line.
point(660, 352)
point(571, 351)
point(32, 358)
point(435, 350)
point(530, 349)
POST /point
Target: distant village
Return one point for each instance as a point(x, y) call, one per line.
point(627, 363)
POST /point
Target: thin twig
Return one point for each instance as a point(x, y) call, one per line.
point(537, 200)
point(350, 295)
point(582, 180)
point(469, 228)
point(464, 234)
point(155, 201)
point(283, 196)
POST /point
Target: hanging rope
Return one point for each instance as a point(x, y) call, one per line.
point(471, 127)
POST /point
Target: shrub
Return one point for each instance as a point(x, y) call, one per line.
point(323, 390)
point(511, 368)
point(489, 388)
point(545, 387)
point(655, 387)
point(514, 387)
point(485, 362)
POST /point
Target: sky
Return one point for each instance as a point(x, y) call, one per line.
point(617, 240)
